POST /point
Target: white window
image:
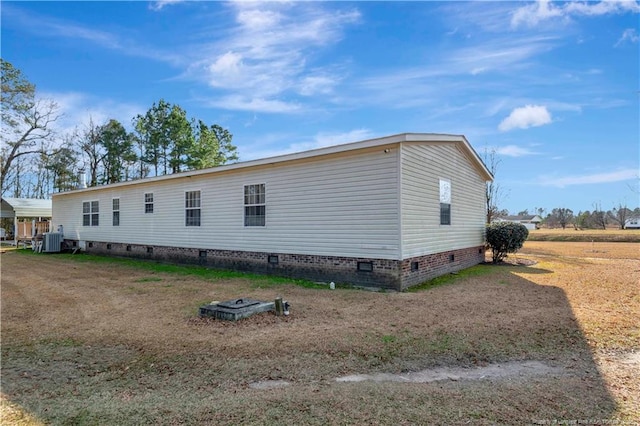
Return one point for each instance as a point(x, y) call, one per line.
point(148, 202)
point(115, 208)
point(192, 208)
point(90, 213)
point(254, 205)
point(445, 202)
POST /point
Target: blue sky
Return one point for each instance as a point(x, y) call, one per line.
point(553, 87)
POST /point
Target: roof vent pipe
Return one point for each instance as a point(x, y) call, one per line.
point(82, 179)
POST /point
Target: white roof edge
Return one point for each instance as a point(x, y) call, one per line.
point(351, 146)
point(28, 202)
point(28, 207)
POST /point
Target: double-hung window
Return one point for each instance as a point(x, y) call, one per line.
point(115, 208)
point(254, 205)
point(148, 202)
point(192, 208)
point(90, 213)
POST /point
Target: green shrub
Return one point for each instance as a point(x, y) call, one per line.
point(504, 238)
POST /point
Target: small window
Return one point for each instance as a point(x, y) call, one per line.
point(116, 211)
point(108, 246)
point(445, 214)
point(150, 250)
point(90, 213)
point(86, 213)
point(128, 248)
point(254, 205)
point(192, 208)
point(415, 266)
point(452, 258)
point(273, 259)
point(445, 202)
point(148, 202)
point(203, 254)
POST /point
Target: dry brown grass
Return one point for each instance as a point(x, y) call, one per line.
point(586, 250)
point(586, 235)
point(87, 342)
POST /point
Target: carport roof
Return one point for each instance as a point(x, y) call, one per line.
point(25, 207)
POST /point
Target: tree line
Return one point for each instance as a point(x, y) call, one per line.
point(35, 161)
point(559, 217)
point(562, 217)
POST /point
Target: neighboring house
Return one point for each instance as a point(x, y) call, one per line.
point(530, 221)
point(632, 223)
point(30, 216)
point(389, 212)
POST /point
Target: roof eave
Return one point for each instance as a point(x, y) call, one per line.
point(334, 149)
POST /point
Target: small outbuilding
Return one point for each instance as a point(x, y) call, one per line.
point(30, 216)
point(390, 213)
point(632, 223)
point(531, 222)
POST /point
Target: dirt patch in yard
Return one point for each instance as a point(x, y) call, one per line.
point(106, 342)
point(489, 372)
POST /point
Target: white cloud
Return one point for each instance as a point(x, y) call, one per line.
point(499, 54)
point(226, 70)
point(630, 35)
point(478, 70)
point(532, 14)
point(317, 84)
point(254, 104)
point(78, 109)
point(544, 10)
point(320, 140)
point(324, 139)
point(160, 4)
point(446, 74)
point(525, 117)
point(45, 26)
point(615, 176)
point(515, 151)
point(259, 18)
point(268, 54)
point(602, 8)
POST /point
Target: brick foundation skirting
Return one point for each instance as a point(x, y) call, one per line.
point(379, 273)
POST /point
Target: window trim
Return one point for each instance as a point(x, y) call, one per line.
point(247, 205)
point(148, 203)
point(445, 191)
point(114, 211)
point(198, 208)
point(92, 216)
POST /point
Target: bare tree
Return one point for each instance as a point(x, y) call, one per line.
point(540, 211)
point(620, 215)
point(599, 217)
point(561, 216)
point(493, 191)
point(90, 144)
point(26, 121)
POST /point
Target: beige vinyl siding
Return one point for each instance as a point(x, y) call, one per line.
point(343, 204)
point(423, 165)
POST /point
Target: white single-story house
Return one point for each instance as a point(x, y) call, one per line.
point(529, 221)
point(390, 212)
point(30, 216)
point(632, 223)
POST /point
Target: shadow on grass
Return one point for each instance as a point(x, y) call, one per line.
point(485, 316)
